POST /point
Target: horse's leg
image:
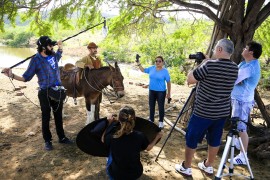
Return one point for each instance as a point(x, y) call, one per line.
point(90, 109)
point(97, 111)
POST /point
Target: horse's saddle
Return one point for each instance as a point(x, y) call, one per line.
point(68, 70)
point(71, 74)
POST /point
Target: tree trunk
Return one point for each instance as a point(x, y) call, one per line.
point(262, 108)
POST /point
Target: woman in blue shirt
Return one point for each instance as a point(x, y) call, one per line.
point(158, 75)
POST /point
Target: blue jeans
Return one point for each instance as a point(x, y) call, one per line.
point(109, 161)
point(158, 96)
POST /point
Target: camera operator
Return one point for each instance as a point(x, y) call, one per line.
point(215, 80)
point(243, 93)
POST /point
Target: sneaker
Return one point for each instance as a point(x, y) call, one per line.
point(65, 140)
point(184, 171)
point(208, 170)
point(161, 125)
point(48, 146)
point(238, 160)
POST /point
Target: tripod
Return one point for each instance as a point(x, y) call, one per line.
point(183, 110)
point(233, 134)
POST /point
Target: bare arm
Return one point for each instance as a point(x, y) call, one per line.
point(110, 119)
point(152, 144)
point(169, 89)
point(140, 67)
point(190, 78)
point(8, 73)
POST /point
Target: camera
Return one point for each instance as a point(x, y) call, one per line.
point(137, 58)
point(199, 56)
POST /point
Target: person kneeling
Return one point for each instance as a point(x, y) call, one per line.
point(124, 145)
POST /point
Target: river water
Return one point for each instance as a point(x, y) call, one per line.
point(10, 56)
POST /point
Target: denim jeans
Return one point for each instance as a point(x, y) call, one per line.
point(241, 110)
point(158, 96)
point(46, 104)
point(109, 161)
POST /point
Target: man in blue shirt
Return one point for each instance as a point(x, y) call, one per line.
point(243, 92)
point(45, 65)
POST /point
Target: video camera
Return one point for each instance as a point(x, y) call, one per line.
point(199, 57)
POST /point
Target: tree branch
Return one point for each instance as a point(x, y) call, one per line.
point(262, 16)
point(180, 10)
point(210, 3)
point(204, 10)
point(38, 6)
point(252, 14)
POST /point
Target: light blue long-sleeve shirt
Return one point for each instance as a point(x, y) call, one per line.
point(248, 78)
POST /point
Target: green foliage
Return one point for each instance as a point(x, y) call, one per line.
point(169, 41)
point(7, 35)
point(194, 36)
point(116, 51)
point(262, 35)
point(177, 76)
point(21, 39)
point(8, 10)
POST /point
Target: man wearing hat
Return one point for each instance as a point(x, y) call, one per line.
point(44, 64)
point(91, 61)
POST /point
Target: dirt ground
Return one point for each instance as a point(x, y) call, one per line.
point(22, 154)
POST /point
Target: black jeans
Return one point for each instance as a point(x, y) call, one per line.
point(46, 104)
point(158, 96)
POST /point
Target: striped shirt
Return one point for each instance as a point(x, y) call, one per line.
point(216, 79)
point(48, 76)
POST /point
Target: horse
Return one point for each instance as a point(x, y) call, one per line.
point(90, 85)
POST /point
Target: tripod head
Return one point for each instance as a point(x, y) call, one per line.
point(233, 129)
point(234, 121)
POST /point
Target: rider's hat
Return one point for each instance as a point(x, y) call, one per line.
point(92, 45)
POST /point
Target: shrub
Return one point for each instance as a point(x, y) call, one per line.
point(177, 76)
point(21, 39)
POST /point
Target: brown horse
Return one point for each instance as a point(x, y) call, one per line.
point(91, 84)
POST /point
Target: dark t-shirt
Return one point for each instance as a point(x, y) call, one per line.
point(125, 152)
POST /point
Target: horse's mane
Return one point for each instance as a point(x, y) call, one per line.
point(102, 68)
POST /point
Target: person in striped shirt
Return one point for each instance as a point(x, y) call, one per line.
point(215, 79)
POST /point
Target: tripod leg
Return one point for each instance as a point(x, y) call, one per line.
point(246, 158)
point(232, 156)
point(180, 114)
point(223, 158)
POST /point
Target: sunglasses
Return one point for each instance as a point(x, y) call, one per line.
point(158, 61)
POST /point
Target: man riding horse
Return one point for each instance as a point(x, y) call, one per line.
point(91, 85)
point(92, 61)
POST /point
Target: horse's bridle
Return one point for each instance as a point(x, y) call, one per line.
point(104, 88)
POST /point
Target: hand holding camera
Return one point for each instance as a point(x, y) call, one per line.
point(198, 56)
point(137, 59)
